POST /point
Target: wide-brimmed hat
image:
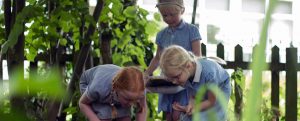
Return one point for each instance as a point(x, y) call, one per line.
point(170, 2)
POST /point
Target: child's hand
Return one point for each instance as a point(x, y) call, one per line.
point(189, 107)
point(178, 107)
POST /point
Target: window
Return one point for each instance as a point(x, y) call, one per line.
point(217, 4)
point(284, 7)
point(257, 6)
point(281, 33)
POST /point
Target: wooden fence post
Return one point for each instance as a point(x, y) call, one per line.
point(291, 85)
point(275, 82)
point(203, 49)
point(220, 50)
point(238, 92)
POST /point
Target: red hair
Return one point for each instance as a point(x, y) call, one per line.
point(130, 79)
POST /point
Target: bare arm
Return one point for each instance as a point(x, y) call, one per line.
point(154, 62)
point(142, 116)
point(210, 102)
point(196, 48)
point(206, 104)
point(85, 107)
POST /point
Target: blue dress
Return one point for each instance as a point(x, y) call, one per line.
point(183, 36)
point(97, 83)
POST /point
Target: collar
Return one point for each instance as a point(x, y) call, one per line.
point(198, 71)
point(180, 26)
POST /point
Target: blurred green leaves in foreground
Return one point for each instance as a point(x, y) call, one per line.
point(46, 85)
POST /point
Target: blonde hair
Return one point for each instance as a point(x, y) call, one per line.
point(175, 57)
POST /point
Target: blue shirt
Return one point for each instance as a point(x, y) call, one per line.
point(209, 72)
point(183, 36)
point(97, 83)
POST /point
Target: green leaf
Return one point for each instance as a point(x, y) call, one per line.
point(31, 54)
point(63, 42)
point(118, 32)
point(125, 59)
point(77, 46)
point(239, 78)
point(104, 15)
point(157, 16)
point(48, 83)
point(117, 58)
point(143, 12)
point(151, 28)
point(117, 9)
point(130, 12)
point(113, 42)
point(71, 110)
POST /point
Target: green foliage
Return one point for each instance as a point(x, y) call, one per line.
point(131, 32)
point(239, 77)
point(43, 28)
point(48, 84)
point(239, 85)
point(266, 111)
point(152, 103)
point(39, 86)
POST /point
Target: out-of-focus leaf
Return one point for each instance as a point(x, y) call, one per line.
point(130, 12)
point(71, 110)
point(254, 97)
point(117, 9)
point(63, 42)
point(157, 16)
point(117, 58)
point(50, 84)
point(143, 12)
point(151, 28)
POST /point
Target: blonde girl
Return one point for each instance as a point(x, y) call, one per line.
point(183, 68)
point(178, 32)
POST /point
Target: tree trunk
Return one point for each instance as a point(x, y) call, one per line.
point(78, 69)
point(105, 48)
point(7, 17)
point(16, 59)
point(7, 20)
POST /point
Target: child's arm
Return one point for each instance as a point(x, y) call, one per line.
point(196, 48)
point(85, 107)
point(210, 102)
point(206, 104)
point(154, 62)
